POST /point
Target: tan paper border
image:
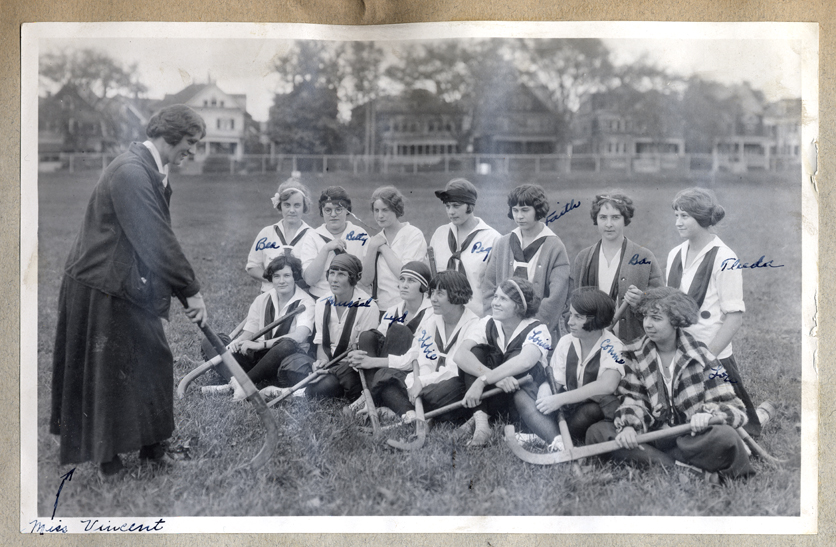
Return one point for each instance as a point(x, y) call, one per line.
point(12, 14)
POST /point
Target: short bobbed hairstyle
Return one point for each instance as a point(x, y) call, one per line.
point(596, 305)
point(701, 204)
point(174, 122)
point(391, 197)
point(294, 186)
point(278, 264)
point(532, 301)
point(455, 284)
point(617, 200)
point(680, 308)
point(532, 195)
point(334, 194)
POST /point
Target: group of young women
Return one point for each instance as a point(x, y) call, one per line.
point(481, 310)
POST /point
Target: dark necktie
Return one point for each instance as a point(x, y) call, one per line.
point(523, 257)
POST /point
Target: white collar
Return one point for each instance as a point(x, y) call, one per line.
point(545, 232)
point(698, 259)
point(158, 160)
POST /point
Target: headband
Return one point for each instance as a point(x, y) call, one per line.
point(522, 296)
point(277, 199)
point(346, 262)
point(416, 276)
point(599, 199)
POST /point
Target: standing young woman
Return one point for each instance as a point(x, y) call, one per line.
point(465, 244)
point(335, 236)
point(280, 358)
point(396, 244)
point(615, 264)
point(696, 268)
point(284, 237)
point(112, 368)
point(500, 349)
point(531, 251)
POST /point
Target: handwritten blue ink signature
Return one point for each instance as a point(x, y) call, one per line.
point(635, 261)
point(395, 319)
point(352, 304)
point(477, 248)
point(608, 347)
point(360, 236)
point(535, 338)
point(718, 372)
point(735, 264)
point(426, 345)
point(554, 215)
point(262, 244)
point(39, 527)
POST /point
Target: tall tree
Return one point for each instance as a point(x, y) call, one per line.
point(92, 70)
point(304, 119)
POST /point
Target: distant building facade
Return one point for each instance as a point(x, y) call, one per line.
point(526, 124)
point(224, 114)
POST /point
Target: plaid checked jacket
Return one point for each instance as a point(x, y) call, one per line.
point(698, 386)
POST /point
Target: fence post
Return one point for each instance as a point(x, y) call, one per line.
point(324, 164)
point(71, 162)
point(294, 163)
point(446, 163)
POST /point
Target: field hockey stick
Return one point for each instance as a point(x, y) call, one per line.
point(618, 313)
point(216, 360)
point(756, 448)
point(420, 422)
point(308, 379)
point(459, 404)
point(362, 224)
point(574, 454)
point(367, 396)
point(431, 260)
point(565, 435)
point(253, 395)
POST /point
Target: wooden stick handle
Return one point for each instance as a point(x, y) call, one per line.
point(459, 404)
point(308, 379)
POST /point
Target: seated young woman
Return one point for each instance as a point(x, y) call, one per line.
point(587, 367)
point(339, 318)
point(501, 349)
point(279, 358)
point(385, 347)
point(671, 379)
point(435, 343)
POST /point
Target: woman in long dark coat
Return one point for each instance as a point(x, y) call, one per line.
point(112, 368)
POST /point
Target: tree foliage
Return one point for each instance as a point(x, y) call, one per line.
point(92, 70)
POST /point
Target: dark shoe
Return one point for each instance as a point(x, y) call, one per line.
point(155, 454)
point(112, 470)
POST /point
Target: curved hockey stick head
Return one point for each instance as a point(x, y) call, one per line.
point(526, 456)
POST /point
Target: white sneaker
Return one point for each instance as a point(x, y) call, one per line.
point(358, 404)
point(271, 392)
point(237, 391)
point(765, 412)
point(409, 417)
point(530, 439)
point(557, 445)
point(224, 389)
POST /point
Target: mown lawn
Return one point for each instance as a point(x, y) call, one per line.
point(324, 466)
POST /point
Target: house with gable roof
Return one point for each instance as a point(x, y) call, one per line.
point(224, 113)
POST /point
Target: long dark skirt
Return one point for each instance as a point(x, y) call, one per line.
point(112, 379)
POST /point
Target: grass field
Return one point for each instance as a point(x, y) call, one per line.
point(324, 466)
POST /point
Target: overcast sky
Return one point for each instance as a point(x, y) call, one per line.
point(244, 66)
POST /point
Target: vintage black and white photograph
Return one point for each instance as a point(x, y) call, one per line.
point(547, 273)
